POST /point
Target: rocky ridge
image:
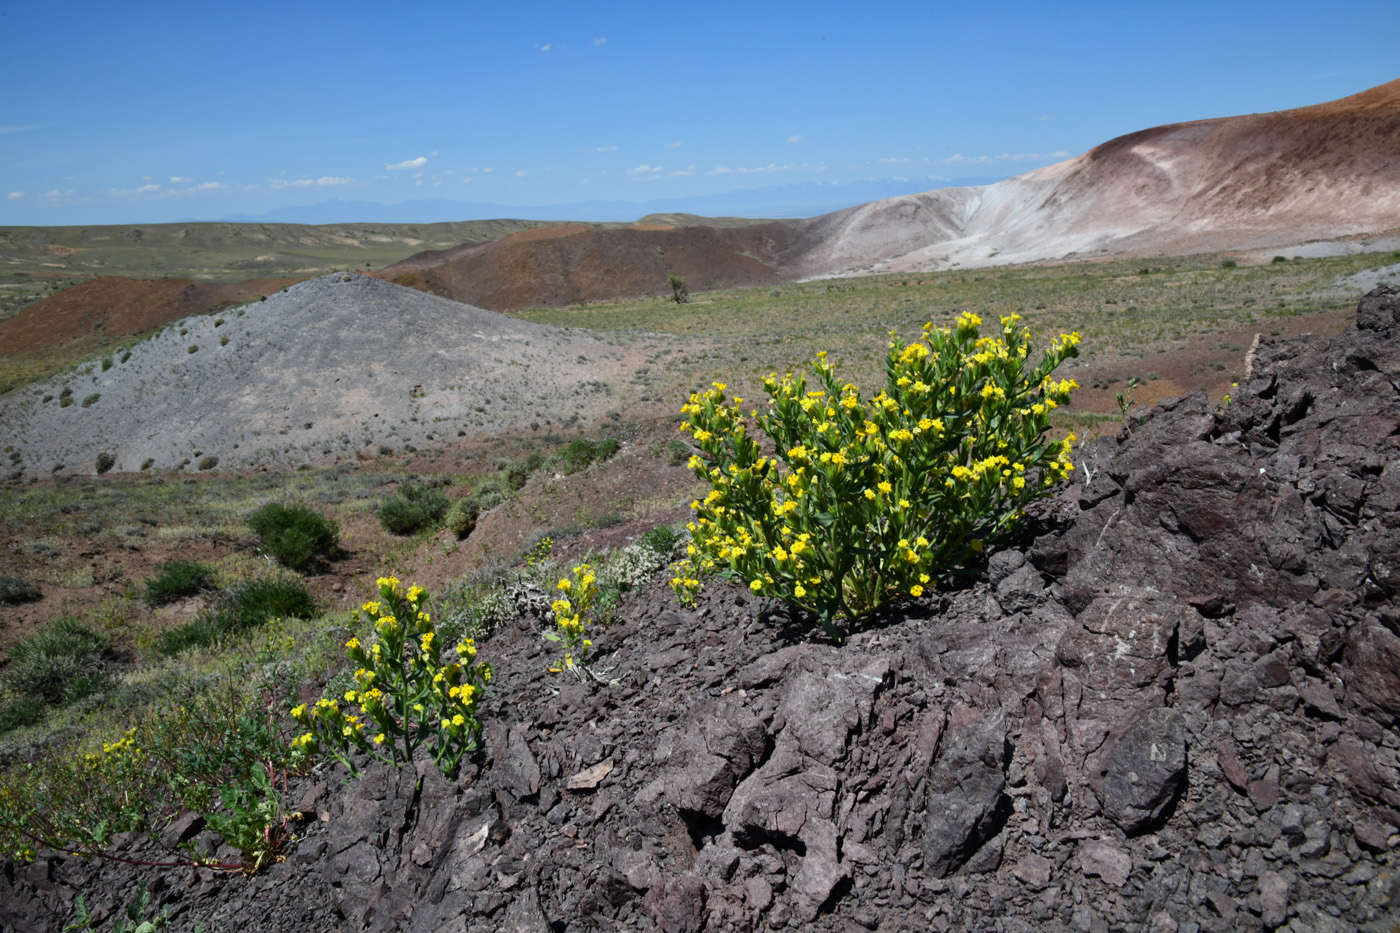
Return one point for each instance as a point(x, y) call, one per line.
point(1174, 705)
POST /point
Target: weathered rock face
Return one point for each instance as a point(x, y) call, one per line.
point(1175, 707)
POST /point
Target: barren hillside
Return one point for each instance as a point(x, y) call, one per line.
point(1264, 180)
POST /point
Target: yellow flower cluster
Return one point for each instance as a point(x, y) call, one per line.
point(406, 696)
point(579, 591)
point(864, 502)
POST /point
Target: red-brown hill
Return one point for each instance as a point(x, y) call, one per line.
point(102, 311)
point(571, 263)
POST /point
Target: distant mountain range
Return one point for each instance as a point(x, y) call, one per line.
point(808, 199)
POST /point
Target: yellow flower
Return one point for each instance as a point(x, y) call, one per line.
point(916, 590)
point(756, 586)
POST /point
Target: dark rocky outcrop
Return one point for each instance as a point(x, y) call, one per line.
point(1175, 707)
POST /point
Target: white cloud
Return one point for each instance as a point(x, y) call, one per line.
point(487, 171)
point(600, 40)
point(177, 180)
point(542, 48)
point(892, 161)
point(147, 189)
point(406, 164)
point(207, 186)
point(679, 173)
point(520, 173)
point(600, 149)
point(795, 139)
point(644, 170)
point(769, 169)
point(15, 194)
point(6, 130)
point(466, 180)
point(674, 145)
point(325, 181)
point(960, 159)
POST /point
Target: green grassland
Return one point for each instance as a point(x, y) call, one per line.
point(231, 251)
point(1122, 308)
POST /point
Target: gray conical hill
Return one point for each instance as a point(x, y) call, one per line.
point(322, 369)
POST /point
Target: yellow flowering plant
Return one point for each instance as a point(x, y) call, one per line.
point(868, 501)
point(406, 694)
point(572, 613)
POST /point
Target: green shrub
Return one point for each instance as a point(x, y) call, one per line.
point(677, 452)
point(583, 451)
point(91, 400)
point(295, 535)
point(104, 462)
point(680, 294)
point(870, 502)
point(663, 539)
point(176, 579)
point(517, 475)
point(488, 494)
point(208, 463)
point(106, 363)
point(14, 591)
point(20, 712)
point(58, 664)
point(461, 517)
point(241, 609)
point(414, 506)
point(1228, 264)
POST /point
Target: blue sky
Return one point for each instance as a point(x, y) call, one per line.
point(147, 112)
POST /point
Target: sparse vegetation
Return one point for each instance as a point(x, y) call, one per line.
point(240, 610)
point(57, 664)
